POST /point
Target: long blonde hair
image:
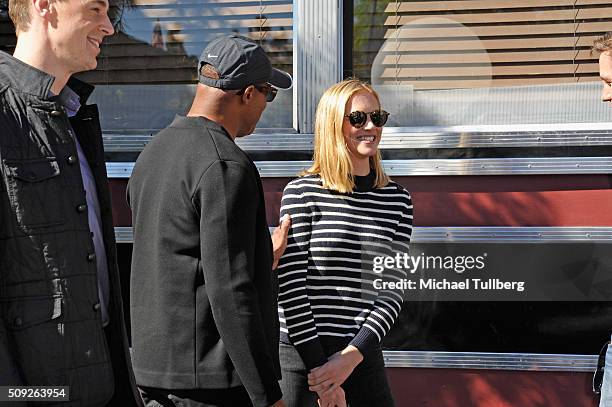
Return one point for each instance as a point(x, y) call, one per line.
point(332, 158)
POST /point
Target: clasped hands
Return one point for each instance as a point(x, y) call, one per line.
point(326, 379)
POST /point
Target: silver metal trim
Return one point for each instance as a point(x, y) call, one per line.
point(317, 55)
point(119, 169)
point(473, 166)
point(509, 234)
point(262, 140)
point(506, 128)
point(276, 142)
point(482, 234)
point(531, 135)
point(492, 361)
point(124, 234)
point(570, 134)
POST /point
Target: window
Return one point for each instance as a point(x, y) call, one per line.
point(147, 70)
point(7, 30)
point(474, 62)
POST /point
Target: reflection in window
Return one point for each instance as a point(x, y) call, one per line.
point(147, 70)
point(3, 10)
point(472, 62)
point(7, 30)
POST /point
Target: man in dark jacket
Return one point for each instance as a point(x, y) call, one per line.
point(61, 315)
point(203, 293)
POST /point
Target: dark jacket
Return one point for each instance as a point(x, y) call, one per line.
point(50, 326)
point(203, 293)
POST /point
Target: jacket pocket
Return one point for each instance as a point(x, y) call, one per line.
point(34, 191)
point(36, 327)
point(25, 312)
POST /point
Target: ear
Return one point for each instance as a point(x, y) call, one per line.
point(248, 94)
point(42, 8)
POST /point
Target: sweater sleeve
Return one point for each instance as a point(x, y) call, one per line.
point(224, 199)
point(293, 276)
point(388, 303)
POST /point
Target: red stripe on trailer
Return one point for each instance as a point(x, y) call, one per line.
point(469, 200)
point(525, 200)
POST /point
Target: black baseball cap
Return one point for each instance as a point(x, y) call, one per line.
point(234, 62)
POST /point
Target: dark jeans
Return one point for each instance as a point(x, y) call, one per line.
point(367, 386)
point(234, 397)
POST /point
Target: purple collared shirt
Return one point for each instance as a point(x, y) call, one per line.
point(70, 100)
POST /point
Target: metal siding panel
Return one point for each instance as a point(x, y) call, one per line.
point(319, 50)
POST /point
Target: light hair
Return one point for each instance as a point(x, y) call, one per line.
point(332, 157)
point(19, 11)
point(602, 44)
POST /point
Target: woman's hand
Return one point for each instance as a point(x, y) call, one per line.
point(334, 398)
point(332, 374)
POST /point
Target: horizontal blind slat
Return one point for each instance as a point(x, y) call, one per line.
point(506, 44)
point(491, 57)
point(514, 17)
point(425, 6)
point(500, 30)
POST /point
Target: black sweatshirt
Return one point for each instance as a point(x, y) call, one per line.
point(327, 289)
point(203, 294)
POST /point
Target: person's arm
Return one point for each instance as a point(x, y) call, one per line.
point(388, 303)
point(226, 200)
point(9, 374)
point(292, 277)
point(386, 309)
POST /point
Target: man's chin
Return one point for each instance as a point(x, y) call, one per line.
point(90, 66)
point(245, 133)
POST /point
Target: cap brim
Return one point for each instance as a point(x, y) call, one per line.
point(280, 79)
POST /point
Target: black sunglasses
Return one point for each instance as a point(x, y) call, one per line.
point(358, 119)
point(268, 90)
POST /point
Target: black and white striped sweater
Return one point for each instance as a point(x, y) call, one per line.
point(326, 275)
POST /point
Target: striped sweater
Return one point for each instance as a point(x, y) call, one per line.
point(326, 277)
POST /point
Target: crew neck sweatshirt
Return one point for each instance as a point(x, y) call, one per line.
point(326, 277)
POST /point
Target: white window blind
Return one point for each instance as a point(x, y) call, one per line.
point(482, 43)
point(482, 62)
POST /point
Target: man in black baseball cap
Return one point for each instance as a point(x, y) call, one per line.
point(234, 62)
point(203, 293)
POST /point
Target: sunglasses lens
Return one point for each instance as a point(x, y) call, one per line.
point(379, 117)
point(357, 119)
point(271, 94)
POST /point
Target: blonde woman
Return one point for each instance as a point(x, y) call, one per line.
point(345, 210)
